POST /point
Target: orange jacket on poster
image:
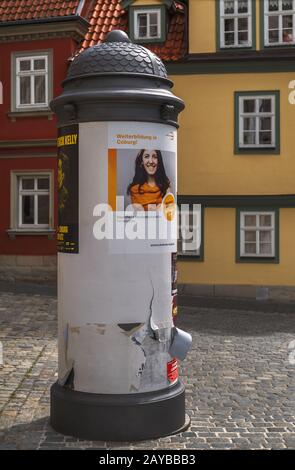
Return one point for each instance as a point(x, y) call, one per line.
point(145, 195)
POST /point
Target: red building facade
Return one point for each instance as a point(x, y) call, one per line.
point(37, 41)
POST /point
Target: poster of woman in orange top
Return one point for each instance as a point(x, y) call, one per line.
point(141, 184)
point(150, 183)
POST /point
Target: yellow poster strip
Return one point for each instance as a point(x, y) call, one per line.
point(112, 178)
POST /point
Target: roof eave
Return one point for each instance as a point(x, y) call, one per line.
point(56, 19)
point(73, 26)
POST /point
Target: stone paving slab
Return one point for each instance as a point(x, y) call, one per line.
point(240, 384)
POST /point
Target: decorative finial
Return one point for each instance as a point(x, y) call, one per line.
point(117, 35)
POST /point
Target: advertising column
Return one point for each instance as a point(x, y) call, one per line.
point(125, 266)
point(117, 243)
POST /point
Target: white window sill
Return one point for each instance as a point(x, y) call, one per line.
point(256, 147)
point(236, 46)
point(280, 44)
point(147, 38)
point(32, 112)
point(13, 233)
point(258, 256)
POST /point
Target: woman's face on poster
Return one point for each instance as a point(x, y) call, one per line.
point(150, 162)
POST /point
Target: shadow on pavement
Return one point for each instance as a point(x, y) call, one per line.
point(39, 435)
point(253, 305)
point(28, 288)
point(23, 436)
point(241, 323)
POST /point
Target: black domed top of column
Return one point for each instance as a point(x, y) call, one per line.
point(117, 55)
point(117, 80)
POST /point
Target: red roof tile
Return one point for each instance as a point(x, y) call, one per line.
point(103, 16)
point(17, 10)
point(175, 46)
point(108, 15)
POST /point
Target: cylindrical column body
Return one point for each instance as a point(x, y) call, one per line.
point(117, 242)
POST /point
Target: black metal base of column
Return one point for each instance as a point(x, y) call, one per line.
point(130, 417)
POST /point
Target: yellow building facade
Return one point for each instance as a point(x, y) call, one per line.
point(236, 146)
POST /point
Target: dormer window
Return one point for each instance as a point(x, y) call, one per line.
point(147, 24)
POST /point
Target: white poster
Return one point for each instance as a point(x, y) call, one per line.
point(142, 188)
point(117, 295)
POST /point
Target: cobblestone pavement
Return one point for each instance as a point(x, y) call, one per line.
point(239, 380)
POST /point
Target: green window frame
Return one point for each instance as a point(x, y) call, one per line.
point(257, 122)
point(280, 20)
point(195, 231)
point(257, 235)
point(236, 21)
point(148, 10)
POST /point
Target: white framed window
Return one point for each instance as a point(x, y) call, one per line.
point(257, 234)
point(189, 230)
point(279, 22)
point(235, 23)
point(34, 202)
point(31, 81)
point(147, 24)
point(257, 121)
